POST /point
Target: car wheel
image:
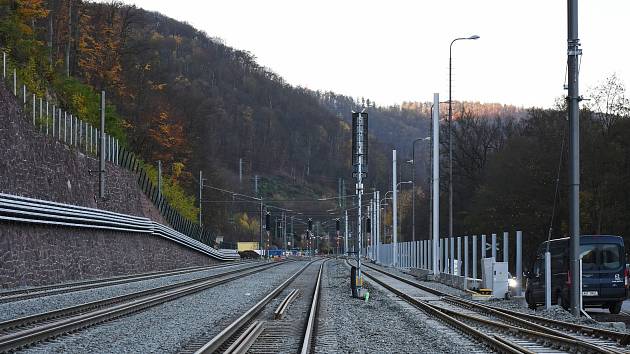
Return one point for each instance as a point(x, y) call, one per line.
point(530, 301)
point(615, 307)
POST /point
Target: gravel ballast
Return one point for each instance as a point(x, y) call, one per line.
point(555, 313)
point(34, 306)
point(382, 325)
point(168, 327)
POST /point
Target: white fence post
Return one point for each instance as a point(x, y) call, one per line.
point(459, 255)
point(519, 262)
point(474, 256)
point(452, 263)
point(466, 272)
point(506, 247)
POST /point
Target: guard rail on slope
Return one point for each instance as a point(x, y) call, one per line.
point(36, 211)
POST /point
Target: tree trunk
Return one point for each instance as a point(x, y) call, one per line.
point(69, 43)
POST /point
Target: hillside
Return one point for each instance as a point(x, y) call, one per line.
point(183, 98)
point(35, 165)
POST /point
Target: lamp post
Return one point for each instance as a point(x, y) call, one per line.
point(413, 186)
point(450, 135)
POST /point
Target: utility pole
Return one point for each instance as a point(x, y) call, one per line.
point(436, 183)
point(377, 227)
point(345, 235)
point(284, 230)
point(573, 54)
point(101, 173)
point(450, 133)
point(395, 209)
point(359, 125)
point(261, 227)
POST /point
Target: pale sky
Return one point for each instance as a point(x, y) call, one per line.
point(394, 51)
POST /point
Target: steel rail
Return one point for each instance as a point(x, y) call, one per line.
point(497, 345)
point(561, 341)
point(82, 320)
point(309, 332)
point(523, 319)
point(55, 289)
point(228, 332)
point(16, 324)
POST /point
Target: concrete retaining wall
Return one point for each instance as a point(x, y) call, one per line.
point(32, 255)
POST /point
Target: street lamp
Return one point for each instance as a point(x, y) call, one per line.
point(413, 186)
point(450, 135)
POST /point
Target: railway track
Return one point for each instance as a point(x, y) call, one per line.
point(26, 331)
point(55, 289)
point(518, 332)
point(282, 322)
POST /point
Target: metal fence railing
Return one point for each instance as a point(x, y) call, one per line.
point(35, 211)
point(51, 119)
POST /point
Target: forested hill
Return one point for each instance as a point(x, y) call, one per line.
point(398, 125)
point(180, 96)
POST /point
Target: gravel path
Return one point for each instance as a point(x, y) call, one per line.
point(29, 307)
point(382, 325)
point(168, 327)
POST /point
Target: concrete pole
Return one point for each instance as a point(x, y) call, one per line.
point(494, 247)
point(14, 82)
point(102, 149)
point(573, 54)
point(368, 234)
point(436, 182)
point(395, 208)
point(474, 256)
point(373, 227)
point(547, 280)
point(4, 65)
point(378, 226)
point(519, 262)
point(506, 248)
point(262, 221)
point(483, 246)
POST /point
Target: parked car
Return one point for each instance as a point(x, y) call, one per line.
point(604, 273)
